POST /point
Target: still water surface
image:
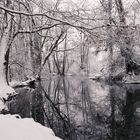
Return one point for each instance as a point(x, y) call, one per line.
point(82, 109)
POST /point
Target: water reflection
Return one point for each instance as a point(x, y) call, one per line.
point(82, 109)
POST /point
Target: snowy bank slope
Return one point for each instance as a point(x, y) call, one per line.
point(12, 128)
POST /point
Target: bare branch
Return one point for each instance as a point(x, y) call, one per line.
point(52, 49)
point(37, 30)
point(52, 18)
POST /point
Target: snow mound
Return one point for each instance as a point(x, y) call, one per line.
point(6, 90)
point(2, 105)
point(12, 127)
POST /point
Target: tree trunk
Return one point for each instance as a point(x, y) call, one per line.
point(35, 50)
point(5, 88)
point(109, 38)
point(123, 36)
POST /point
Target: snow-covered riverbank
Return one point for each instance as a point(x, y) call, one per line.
point(14, 128)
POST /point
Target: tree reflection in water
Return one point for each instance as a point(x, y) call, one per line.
point(82, 109)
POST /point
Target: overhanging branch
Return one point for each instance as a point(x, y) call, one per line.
point(37, 30)
point(47, 16)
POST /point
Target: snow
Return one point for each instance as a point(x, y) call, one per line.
point(5, 90)
point(18, 83)
point(2, 106)
point(12, 127)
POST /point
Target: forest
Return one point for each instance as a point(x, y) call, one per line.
point(72, 66)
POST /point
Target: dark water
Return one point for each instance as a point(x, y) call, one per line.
point(82, 109)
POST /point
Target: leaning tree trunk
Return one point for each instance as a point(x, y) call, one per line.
point(5, 88)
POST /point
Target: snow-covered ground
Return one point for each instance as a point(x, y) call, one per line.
point(13, 128)
point(5, 92)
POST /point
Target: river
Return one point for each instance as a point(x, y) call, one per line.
point(82, 109)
